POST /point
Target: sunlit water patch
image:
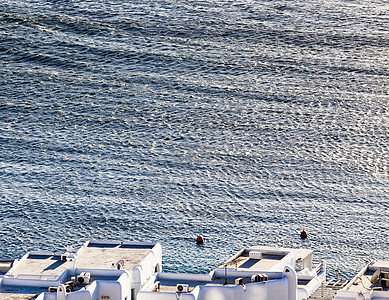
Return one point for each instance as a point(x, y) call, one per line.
point(243, 121)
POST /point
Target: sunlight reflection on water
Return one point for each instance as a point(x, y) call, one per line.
point(243, 121)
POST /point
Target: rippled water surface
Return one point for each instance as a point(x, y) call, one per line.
point(244, 121)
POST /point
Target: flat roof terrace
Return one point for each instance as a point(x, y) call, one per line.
point(244, 263)
point(270, 257)
point(264, 264)
point(104, 255)
point(41, 266)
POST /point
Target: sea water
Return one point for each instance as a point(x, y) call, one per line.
point(243, 121)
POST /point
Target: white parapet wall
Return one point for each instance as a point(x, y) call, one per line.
point(280, 286)
point(274, 289)
point(151, 264)
point(80, 295)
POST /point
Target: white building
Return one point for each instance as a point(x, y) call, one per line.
point(260, 273)
point(114, 270)
point(98, 270)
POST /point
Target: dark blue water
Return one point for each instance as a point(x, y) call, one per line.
point(244, 121)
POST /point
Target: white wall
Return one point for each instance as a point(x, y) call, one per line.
point(165, 296)
point(147, 267)
point(81, 295)
point(102, 288)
